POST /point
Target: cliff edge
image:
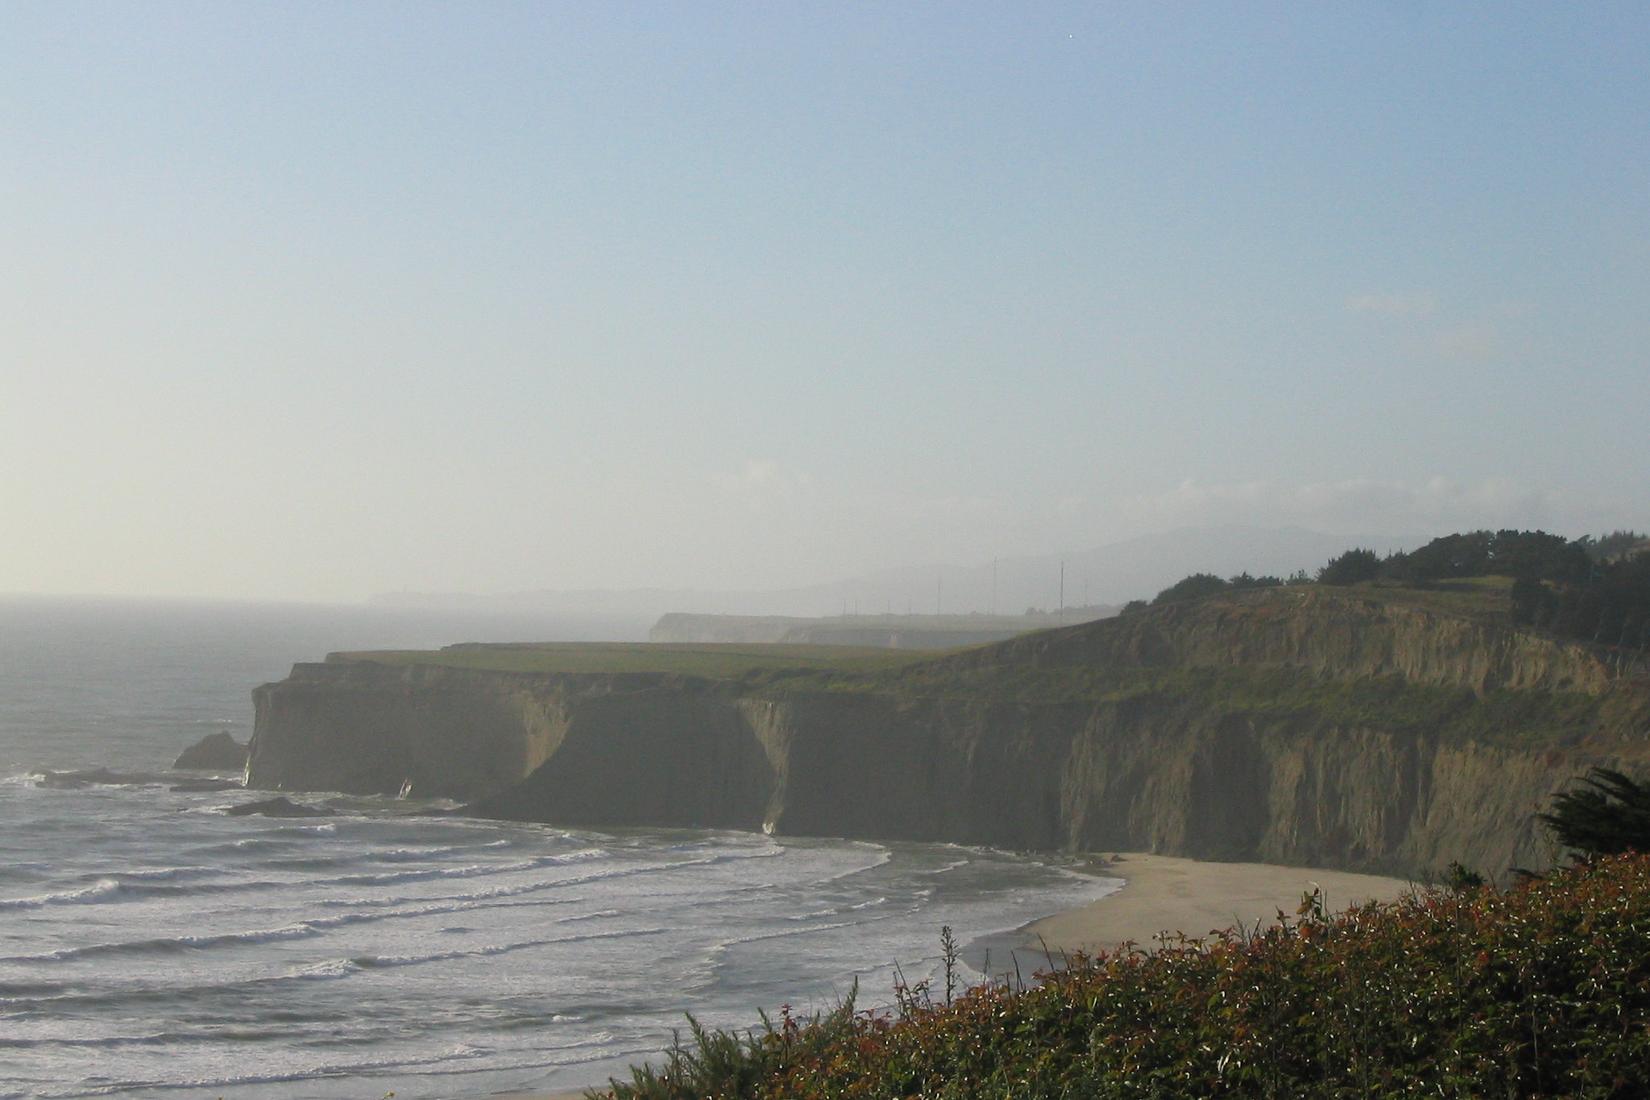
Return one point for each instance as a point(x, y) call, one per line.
point(1369, 729)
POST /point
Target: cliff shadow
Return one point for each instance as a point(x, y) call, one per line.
point(660, 757)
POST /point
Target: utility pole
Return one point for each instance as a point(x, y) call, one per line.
point(993, 586)
point(1062, 591)
point(939, 593)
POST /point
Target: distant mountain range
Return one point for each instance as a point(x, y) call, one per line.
point(1134, 569)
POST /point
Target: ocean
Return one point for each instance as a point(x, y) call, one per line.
point(150, 945)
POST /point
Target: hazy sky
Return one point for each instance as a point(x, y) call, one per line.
point(317, 300)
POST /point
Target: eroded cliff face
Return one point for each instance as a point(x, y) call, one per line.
point(1337, 634)
point(364, 728)
point(1188, 774)
point(1178, 778)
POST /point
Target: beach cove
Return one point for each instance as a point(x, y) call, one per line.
point(1158, 895)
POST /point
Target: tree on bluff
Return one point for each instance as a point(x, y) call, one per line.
point(1612, 608)
point(1606, 815)
point(1194, 587)
point(1350, 568)
point(1199, 585)
point(1531, 555)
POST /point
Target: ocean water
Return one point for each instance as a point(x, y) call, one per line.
point(150, 945)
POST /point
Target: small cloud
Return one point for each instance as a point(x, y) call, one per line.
point(759, 481)
point(955, 506)
point(1393, 305)
point(1474, 342)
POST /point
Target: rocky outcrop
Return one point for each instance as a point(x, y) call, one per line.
point(216, 752)
point(953, 750)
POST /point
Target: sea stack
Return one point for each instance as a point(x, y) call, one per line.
point(216, 752)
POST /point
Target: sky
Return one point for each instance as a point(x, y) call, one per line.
point(312, 301)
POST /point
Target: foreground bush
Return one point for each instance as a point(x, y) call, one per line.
point(1541, 990)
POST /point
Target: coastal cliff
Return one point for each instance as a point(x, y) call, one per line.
point(1364, 730)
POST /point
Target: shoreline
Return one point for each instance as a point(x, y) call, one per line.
point(1157, 894)
point(1170, 894)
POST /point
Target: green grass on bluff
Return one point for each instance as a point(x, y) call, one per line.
point(708, 660)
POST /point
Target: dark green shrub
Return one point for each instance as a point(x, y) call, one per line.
point(1606, 815)
point(1194, 587)
point(1350, 568)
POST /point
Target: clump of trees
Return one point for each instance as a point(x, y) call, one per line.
point(1610, 607)
point(1615, 546)
point(1351, 568)
point(1594, 589)
point(1199, 585)
point(1521, 555)
point(1518, 554)
point(1597, 589)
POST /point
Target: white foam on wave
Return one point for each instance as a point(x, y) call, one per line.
point(947, 868)
point(838, 910)
point(167, 874)
point(374, 962)
point(314, 926)
point(143, 885)
point(459, 1052)
point(883, 855)
point(164, 944)
point(408, 855)
point(299, 938)
point(101, 890)
point(325, 971)
point(473, 870)
point(172, 881)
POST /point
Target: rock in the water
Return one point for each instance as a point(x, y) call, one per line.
point(276, 807)
point(216, 752)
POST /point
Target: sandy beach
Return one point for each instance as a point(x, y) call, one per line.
point(1165, 893)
